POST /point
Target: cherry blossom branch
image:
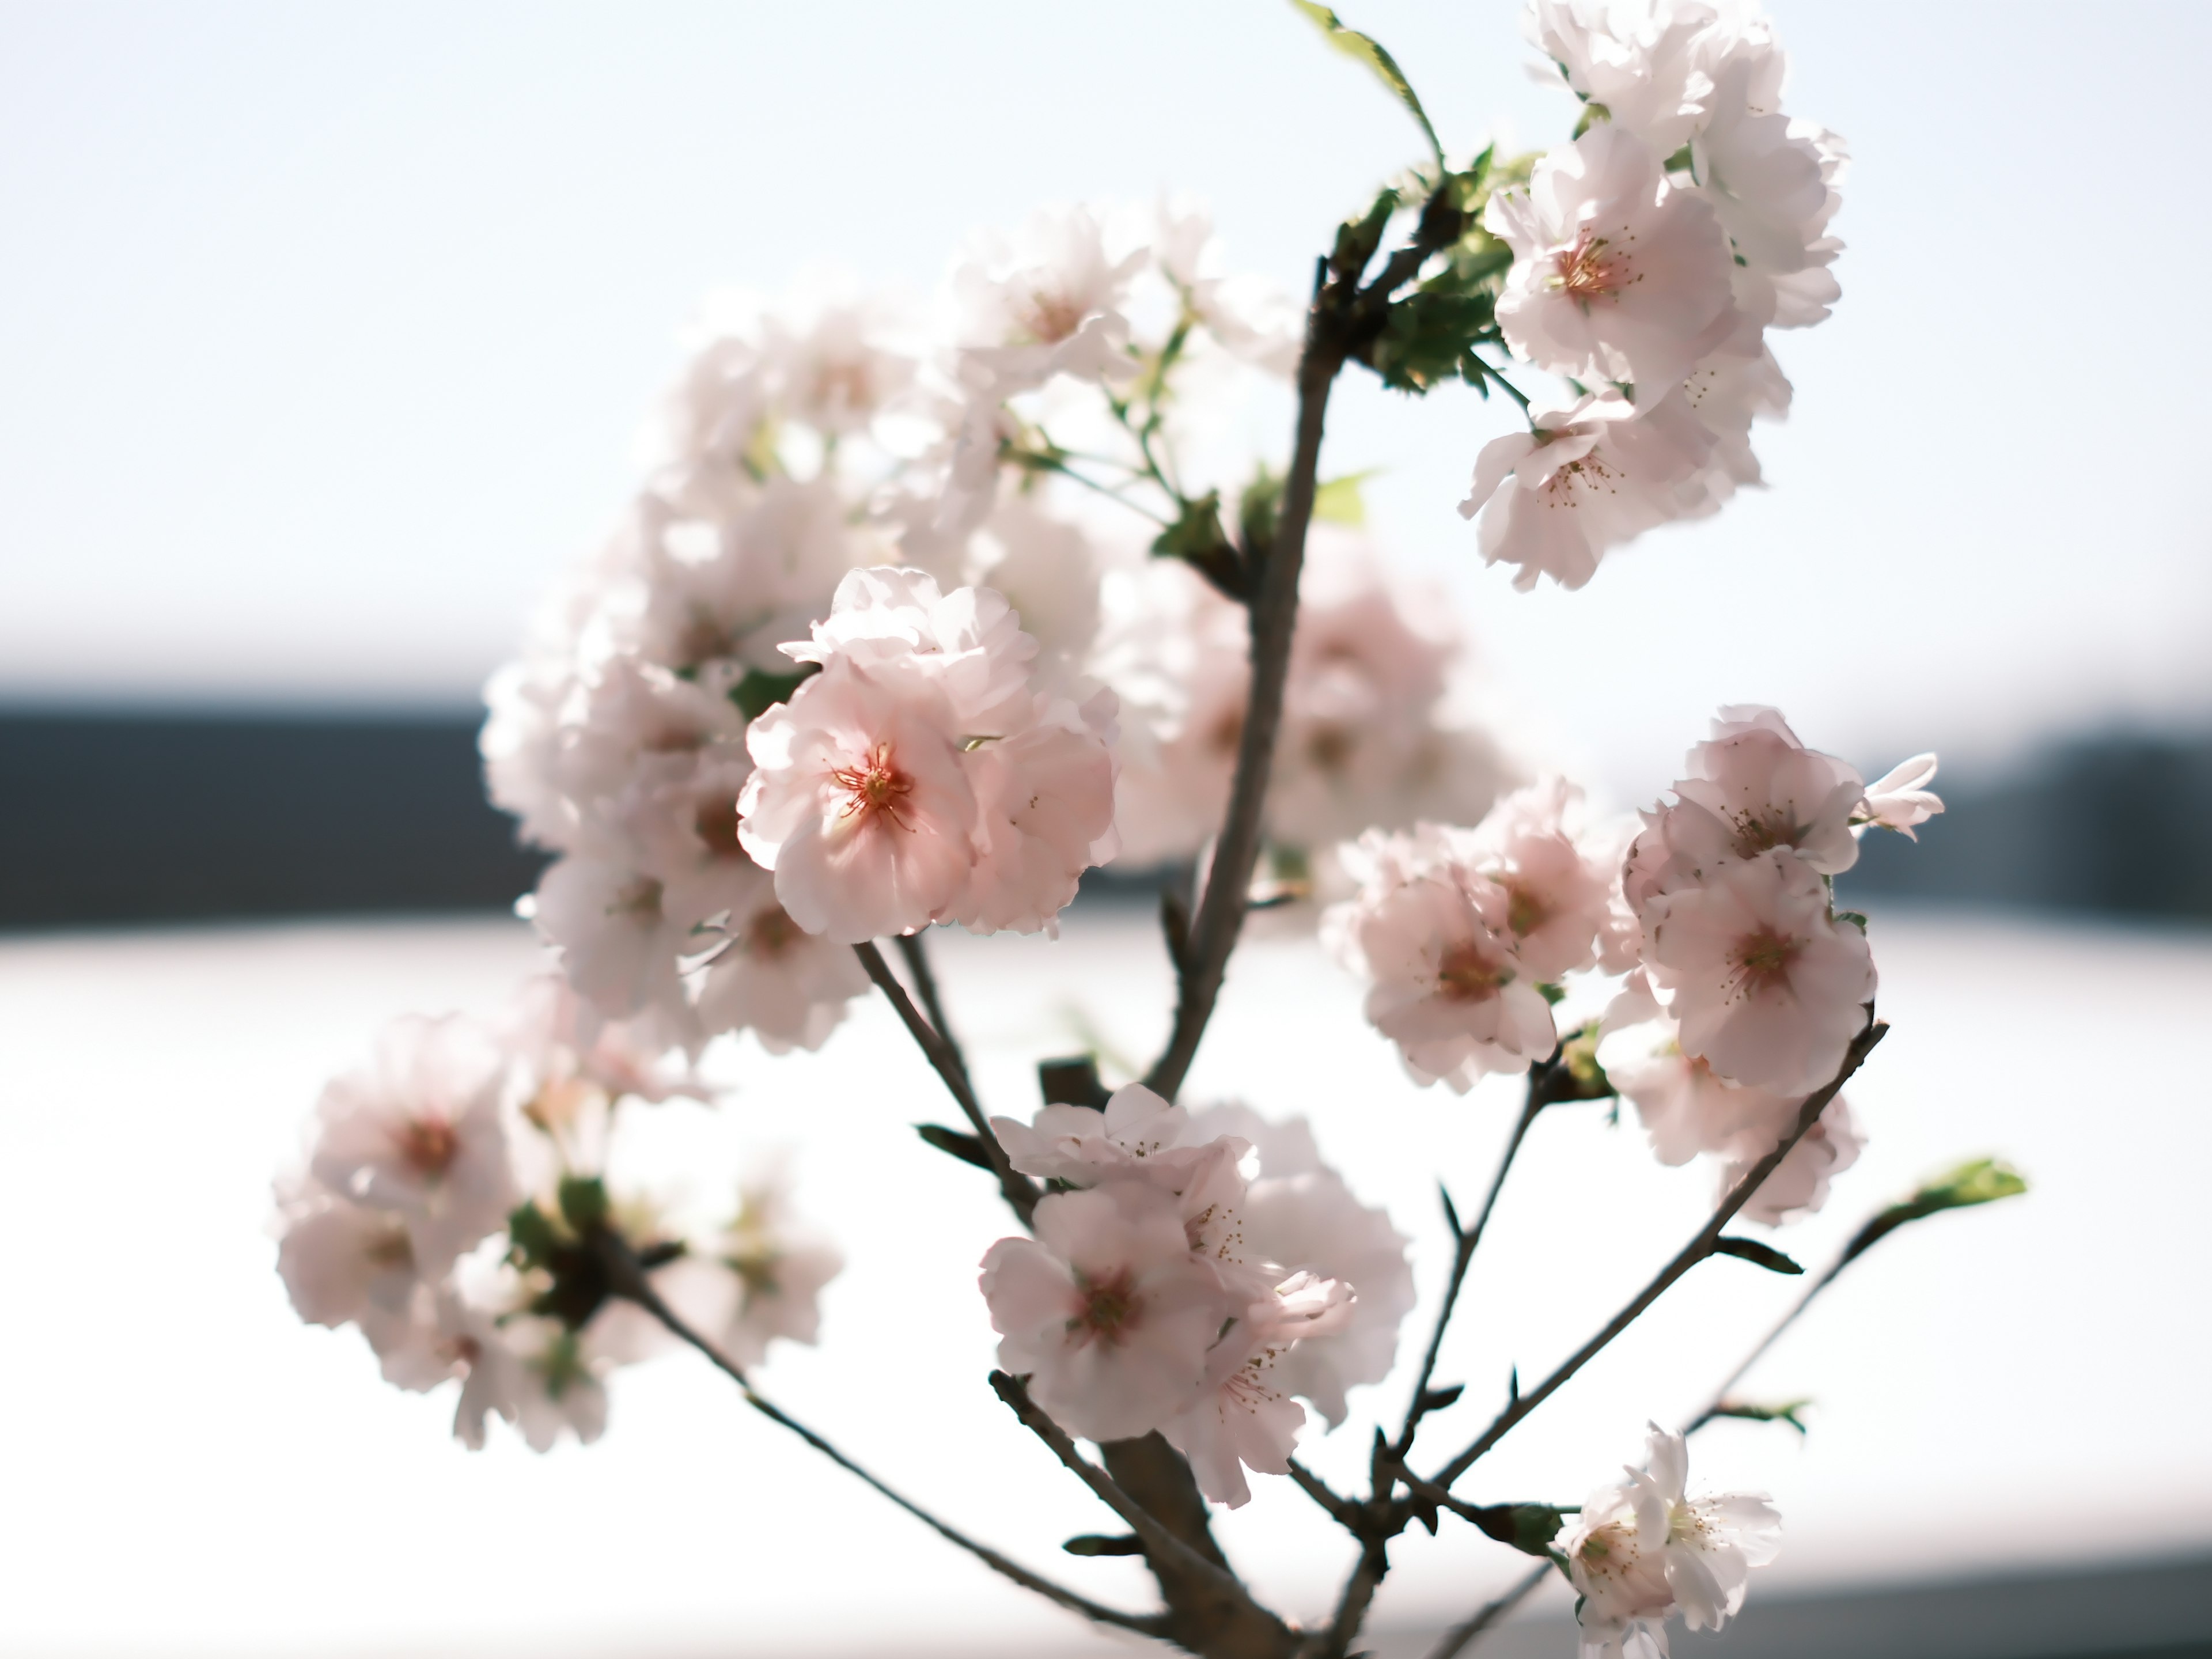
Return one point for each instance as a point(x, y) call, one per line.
point(1457, 1638)
point(1342, 315)
point(626, 1278)
point(1019, 1190)
point(1688, 1257)
point(1154, 1536)
point(916, 958)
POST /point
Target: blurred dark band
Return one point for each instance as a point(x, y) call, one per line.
point(120, 818)
point(124, 818)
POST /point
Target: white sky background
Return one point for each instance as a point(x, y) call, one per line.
point(327, 330)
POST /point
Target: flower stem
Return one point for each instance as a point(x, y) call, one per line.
point(629, 1281)
point(1688, 1257)
point(1019, 1190)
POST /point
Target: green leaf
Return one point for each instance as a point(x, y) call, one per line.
point(1759, 1254)
point(1258, 510)
point(1196, 538)
point(531, 1234)
point(1554, 994)
point(1428, 337)
point(1982, 1181)
point(1338, 500)
point(760, 691)
point(1785, 1412)
point(1529, 1528)
point(1091, 1543)
point(967, 1148)
point(584, 1203)
point(1366, 49)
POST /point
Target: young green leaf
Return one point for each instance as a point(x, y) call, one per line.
point(1529, 1528)
point(760, 691)
point(1366, 49)
point(1338, 500)
point(1784, 1412)
point(1983, 1181)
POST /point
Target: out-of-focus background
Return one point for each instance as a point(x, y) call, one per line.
point(327, 333)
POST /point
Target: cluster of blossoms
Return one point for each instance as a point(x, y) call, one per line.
point(443, 1182)
point(1195, 1274)
point(1744, 985)
point(1650, 257)
point(857, 592)
point(869, 653)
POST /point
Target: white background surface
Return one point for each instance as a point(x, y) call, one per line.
point(327, 328)
point(189, 1470)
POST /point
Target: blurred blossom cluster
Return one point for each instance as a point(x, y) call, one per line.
point(924, 609)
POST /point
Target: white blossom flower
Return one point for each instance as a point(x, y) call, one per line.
point(1618, 276)
point(1370, 736)
point(1753, 785)
point(1768, 986)
point(1645, 62)
point(1899, 798)
point(1432, 937)
point(529, 1370)
point(1251, 318)
point(344, 1263)
point(1107, 1310)
point(859, 805)
point(1299, 1214)
point(1799, 1185)
point(1727, 391)
point(789, 987)
point(1555, 500)
point(1643, 1550)
point(419, 1134)
point(1763, 174)
point(1683, 1108)
point(1046, 301)
point(1240, 1417)
point(772, 1269)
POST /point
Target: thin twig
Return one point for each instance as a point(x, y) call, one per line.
point(1688, 1257)
point(1342, 1509)
point(1157, 1537)
point(1489, 1613)
point(1462, 1256)
point(1019, 1190)
point(629, 1281)
point(916, 958)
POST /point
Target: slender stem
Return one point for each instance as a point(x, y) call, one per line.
point(629, 1281)
point(1112, 492)
point(1148, 1528)
point(1721, 1393)
point(917, 956)
point(1342, 1509)
point(1352, 1606)
point(1688, 1257)
point(1491, 372)
point(1274, 617)
point(1489, 1613)
point(1534, 1102)
point(1019, 1190)
point(1342, 317)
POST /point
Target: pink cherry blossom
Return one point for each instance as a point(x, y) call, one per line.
point(1107, 1310)
point(419, 1133)
point(1558, 896)
point(1684, 1107)
point(1799, 1185)
point(1768, 987)
point(1589, 478)
point(1433, 937)
point(1618, 276)
point(1299, 1214)
point(1757, 786)
point(860, 803)
point(1239, 1417)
